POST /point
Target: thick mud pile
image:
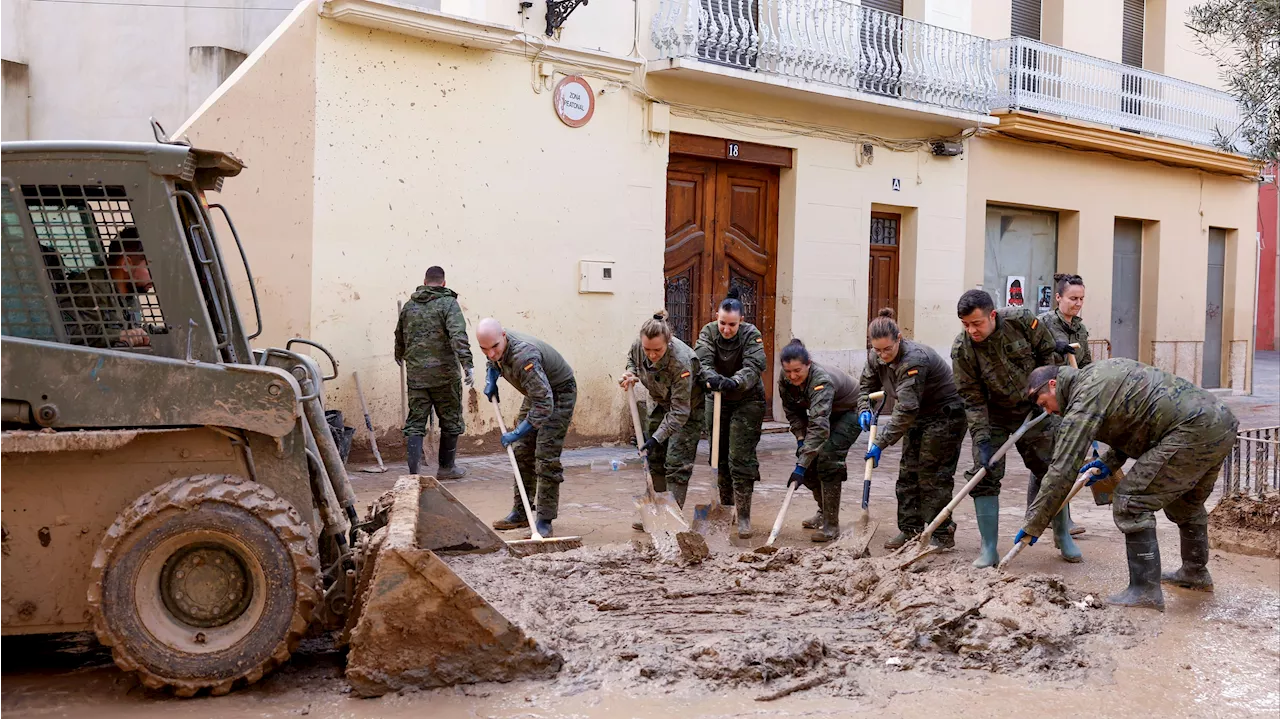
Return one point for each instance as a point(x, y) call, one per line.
point(1247, 525)
point(793, 620)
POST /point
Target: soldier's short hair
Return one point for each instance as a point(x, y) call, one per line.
point(1038, 382)
point(974, 300)
point(125, 245)
point(435, 275)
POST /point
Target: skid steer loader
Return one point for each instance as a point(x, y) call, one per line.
point(180, 493)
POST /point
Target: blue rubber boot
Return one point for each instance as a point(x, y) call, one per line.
point(1062, 538)
point(544, 527)
point(988, 511)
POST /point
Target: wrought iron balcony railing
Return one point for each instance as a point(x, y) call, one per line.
point(1031, 75)
point(835, 42)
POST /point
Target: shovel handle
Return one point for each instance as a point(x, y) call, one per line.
point(715, 430)
point(1071, 358)
point(635, 422)
point(515, 467)
point(866, 478)
point(1027, 424)
point(1081, 481)
point(368, 424)
point(782, 514)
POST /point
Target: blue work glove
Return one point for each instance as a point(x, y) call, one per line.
point(649, 445)
point(491, 383)
point(514, 435)
point(864, 420)
point(1103, 471)
point(1023, 533)
point(797, 476)
point(799, 445)
point(873, 454)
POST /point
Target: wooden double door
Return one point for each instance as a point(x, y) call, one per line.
point(721, 232)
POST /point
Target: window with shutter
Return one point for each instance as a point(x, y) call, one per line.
point(892, 6)
point(1131, 41)
point(1026, 19)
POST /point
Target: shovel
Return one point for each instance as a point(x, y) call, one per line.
point(659, 511)
point(922, 544)
point(1071, 358)
point(713, 517)
point(1026, 541)
point(865, 527)
point(368, 425)
point(536, 543)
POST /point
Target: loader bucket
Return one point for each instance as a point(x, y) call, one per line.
point(417, 624)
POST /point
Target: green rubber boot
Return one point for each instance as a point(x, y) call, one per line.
point(1062, 538)
point(1143, 553)
point(988, 511)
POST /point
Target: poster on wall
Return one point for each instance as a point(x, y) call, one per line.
point(1013, 291)
point(1044, 301)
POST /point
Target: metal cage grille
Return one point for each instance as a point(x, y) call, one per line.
point(25, 312)
point(97, 268)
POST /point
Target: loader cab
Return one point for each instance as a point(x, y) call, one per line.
point(111, 246)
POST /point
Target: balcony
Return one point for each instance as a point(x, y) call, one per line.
point(842, 48)
point(1034, 76)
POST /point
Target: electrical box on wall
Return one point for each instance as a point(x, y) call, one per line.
point(595, 276)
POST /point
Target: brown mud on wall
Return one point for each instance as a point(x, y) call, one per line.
point(1247, 525)
point(794, 620)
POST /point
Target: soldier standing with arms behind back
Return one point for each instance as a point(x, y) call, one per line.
point(991, 360)
point(550, 392)
point(732, 356)
point(927, 414)
point(431, 340)
point(670, 372)
point(1180, 435)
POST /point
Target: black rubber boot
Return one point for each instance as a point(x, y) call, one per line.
point(679, 491)
point(830, 513)
point(1193, 574)
point(898, 540)
point(742, 501)
point(815, 522)
point(725, 484)
point(515, 520)
point(1143, 552)
point(413, 448)
point(448, 455)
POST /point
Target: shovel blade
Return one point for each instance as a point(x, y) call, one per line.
point(663, 521)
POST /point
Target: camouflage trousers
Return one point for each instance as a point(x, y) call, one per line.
point(1036, 448)
point(445, 399)
point(926, 475)
point(538, 453)
point(740, 424)
point(1177, 475)
point(672, 460)
point(831, 464)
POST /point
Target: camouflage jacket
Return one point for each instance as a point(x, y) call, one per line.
point(991, 376)
point(740, 359)
point(96, 312)
point(674, 383)
point(1129, 406)
point(535, 369)
point(1064, 331)
point(918, 380)
point(809, 406)
point(431, 338)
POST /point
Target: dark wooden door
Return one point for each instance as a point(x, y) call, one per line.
point(722, 231)
point(882, 281)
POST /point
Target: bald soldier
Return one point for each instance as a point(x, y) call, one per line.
point(538, 372)
point(991, 361)
point(1180, 435)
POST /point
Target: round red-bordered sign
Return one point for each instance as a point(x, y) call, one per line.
point(574, 101)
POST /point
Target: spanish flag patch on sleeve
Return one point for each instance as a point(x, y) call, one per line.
point(686, 374)
point(815, 389)
point(528, 367)
point(759, 340)
point(1035, 322)
point(913, 372)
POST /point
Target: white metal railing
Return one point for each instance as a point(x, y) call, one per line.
point(836, 42)
point(1031, 75)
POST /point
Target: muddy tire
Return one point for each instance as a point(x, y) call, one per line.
point(204, 582)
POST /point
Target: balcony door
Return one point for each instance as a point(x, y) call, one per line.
point(727, 29)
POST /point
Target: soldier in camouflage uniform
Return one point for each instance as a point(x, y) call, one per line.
point(927, 414)
point(101, 308)
point(1179, 435)
point(990, 361)
point(820, 404)
point(670, 372)
point(1067, 328)
point(731, 353)
point(550, 391)
point(431, 341)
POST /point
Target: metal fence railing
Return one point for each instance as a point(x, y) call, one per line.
point(1253, 467)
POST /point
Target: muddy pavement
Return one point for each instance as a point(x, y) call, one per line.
point(642, 638)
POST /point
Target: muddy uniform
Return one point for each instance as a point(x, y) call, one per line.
point(991, 378)
point(431, 340)
point(930, 419)
point(97, 313)
point(538, 372)
point(742, 410)
point(1179, 433)
point(1069, 332)
point(675, 420)
point(822, 413)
